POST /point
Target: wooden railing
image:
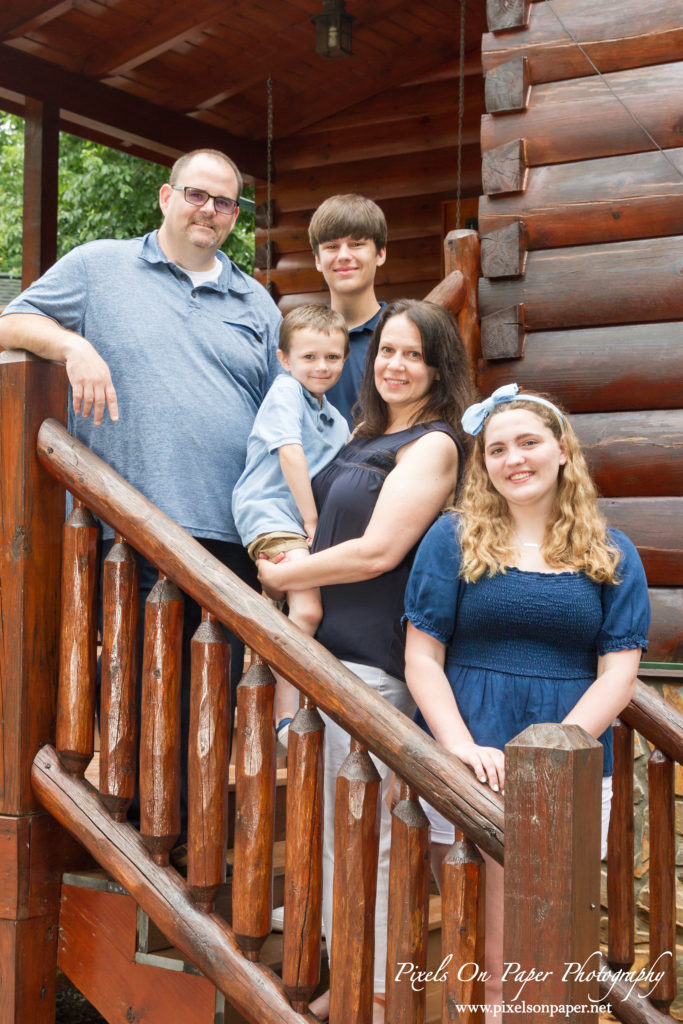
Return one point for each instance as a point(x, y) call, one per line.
point(426, 770)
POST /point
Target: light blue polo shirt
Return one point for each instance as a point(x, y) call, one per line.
point(191, 367)
point(262, 501)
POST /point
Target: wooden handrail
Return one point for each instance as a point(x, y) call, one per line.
point(657, 720)
point(435, 774)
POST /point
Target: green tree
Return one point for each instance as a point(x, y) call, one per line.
point(103, 193)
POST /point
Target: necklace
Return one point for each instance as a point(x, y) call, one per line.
point(526, 543)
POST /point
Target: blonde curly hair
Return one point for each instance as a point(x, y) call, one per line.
point(575, 539)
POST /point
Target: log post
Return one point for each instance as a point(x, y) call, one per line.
point(408, 921)
point(252, 891)
point(119, 664)
point(620, 850)
point(356, 849)
point(208, 758)
point(78, 642)
point(660, 772)
point(462, 252)
point(463, 917)
point(41, 167)
point(31, 518)
point(552, 870)
point(303, 855)
point(160, 721)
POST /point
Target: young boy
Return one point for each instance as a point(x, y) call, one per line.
point(295, 434)
point(348, 235)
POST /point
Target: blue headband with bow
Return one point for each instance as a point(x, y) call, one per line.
point(475, 416)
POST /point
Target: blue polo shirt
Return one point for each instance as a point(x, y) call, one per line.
point(344, 394)
point(191, 367)
point(262, 502)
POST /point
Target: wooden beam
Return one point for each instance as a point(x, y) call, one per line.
point(507, 14)
point(508, 86)
point(113, 108)
point(654, 526)
point(615, 34)
point(41, 159)
point(502, 333)
point(503, 252)
point(599, 369)
point(17, 17)
point(605, 200)
point(157, 34)
point(624, 283)
point(582, 119)
point(634, 454)
point(504, 168)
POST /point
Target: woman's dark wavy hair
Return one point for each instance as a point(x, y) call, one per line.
point(442, 349)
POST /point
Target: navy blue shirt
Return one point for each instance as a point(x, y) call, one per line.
point(522, 647)
point(344, 394)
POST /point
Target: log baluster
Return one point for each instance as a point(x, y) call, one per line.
point(208, 757)
point(303, 856)
point(620, 850)
point(119, 666)
point(408, 918)
point(160, 723)
point(78, 642)
point(356, 848)
point(660, 772)
point(463, 916)
point(252, 893)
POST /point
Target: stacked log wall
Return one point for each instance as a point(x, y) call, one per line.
point(398, 148)
point(581, 223)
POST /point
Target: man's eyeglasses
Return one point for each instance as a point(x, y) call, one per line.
point(198, 197)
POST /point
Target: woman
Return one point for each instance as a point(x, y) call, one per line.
point(522, 607)
point(375, 501)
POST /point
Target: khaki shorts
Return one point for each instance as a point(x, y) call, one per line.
point(271, 544)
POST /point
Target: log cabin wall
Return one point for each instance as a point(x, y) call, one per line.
point(582, 251)
point(398, 148)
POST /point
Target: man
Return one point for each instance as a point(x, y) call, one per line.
point(177, 345)
point(348, 235)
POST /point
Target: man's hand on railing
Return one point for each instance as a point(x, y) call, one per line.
point(90, 380)
point(487, 763)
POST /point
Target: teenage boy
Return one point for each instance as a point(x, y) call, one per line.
point(295, 434)
point(348, 235)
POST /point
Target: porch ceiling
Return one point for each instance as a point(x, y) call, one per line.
point(160, 76)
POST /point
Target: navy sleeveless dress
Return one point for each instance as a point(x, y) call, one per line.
point(362, 621)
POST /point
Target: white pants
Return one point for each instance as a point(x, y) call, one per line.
point(441, 830)
point(337, 743)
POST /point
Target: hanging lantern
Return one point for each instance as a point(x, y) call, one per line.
point(333, 30)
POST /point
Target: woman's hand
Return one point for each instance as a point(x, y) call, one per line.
point(487, 763)
point(270, 574)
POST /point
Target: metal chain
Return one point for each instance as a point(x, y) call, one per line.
point(461, 112)
point(269, 175)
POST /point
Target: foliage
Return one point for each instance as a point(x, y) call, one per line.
point(103, 193)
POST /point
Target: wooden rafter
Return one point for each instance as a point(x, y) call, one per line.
point(18, 17)
point(114, 109)
point(160, 34)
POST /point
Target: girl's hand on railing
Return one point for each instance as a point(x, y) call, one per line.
point(487, 763)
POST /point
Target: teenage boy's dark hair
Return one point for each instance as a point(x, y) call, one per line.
point(443, 350)
point(318, 318)
point(350, 214)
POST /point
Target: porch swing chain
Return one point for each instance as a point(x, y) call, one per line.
point(461, 113)
point(269, 176)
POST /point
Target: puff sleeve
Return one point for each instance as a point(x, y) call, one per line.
point(431, 599)
point(625, 605)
